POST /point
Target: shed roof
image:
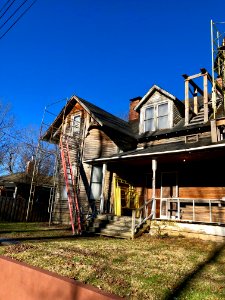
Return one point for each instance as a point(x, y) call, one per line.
point(22, 177)
point(15, 178)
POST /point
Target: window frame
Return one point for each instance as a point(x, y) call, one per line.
point(94, 182)
point(75, 129)
point(145, 127)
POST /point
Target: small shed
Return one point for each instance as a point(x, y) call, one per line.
point(14, 197)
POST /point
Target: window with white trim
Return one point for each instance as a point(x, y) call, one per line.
point(96, 183)
point(156, 117)
point(76, 120)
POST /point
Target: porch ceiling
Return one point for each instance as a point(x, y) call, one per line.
point(173, 158)
point(216, 155)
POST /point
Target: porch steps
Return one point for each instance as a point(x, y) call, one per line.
point(112, 226)
point(94, 226)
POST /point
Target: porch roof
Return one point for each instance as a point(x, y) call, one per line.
point(155, 151)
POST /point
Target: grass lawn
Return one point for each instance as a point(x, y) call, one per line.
point(144, 268)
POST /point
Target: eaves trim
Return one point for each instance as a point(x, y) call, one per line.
point(87, 110)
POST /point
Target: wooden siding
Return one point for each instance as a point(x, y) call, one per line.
point(84, 188)
point(176, 115)
point(202, 192)
point(156, 98)
point(202, 213)
point(98, 144)
point(107, 190)
point(61, 208)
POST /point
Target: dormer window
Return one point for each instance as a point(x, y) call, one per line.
point(156, 117)
point(158, 110)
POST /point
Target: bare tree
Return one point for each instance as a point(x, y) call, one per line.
point(27, 148)
point(7, 122)
point(19, 146)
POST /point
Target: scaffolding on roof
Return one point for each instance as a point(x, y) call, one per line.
point(44, 150)
point(64, 131)
point(218, 61)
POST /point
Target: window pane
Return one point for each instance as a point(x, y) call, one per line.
point(76, 123)
point(149, 125)
point(64, 193)
point(163, 122)
point(163, 109)
point(96, 174)
point(95, 191)
point(149, 113)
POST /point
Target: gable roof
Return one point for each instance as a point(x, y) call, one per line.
point(102, 117)
point(105, 118)
point(152, 90)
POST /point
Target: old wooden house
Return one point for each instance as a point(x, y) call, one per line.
point(164, 163)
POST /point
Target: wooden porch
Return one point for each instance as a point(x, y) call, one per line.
point(179, 210)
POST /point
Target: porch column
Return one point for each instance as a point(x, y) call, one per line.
point(102, 200)
point(205, 97)
point(154, 167)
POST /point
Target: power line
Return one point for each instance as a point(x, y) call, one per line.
point(4, 5)
point(21, 15)
point(6, 8)
point(13, 14)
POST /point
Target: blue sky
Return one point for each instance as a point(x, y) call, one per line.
point(105, 51)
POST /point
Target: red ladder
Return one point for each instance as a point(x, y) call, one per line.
point(70, 185)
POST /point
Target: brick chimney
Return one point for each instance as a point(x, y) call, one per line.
point(133, 115)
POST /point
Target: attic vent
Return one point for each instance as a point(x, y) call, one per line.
point(191, 138)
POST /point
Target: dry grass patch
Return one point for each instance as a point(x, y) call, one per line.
point(144, 268)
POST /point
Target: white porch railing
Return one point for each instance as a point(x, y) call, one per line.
point(180, 209)
point(141, 215)
point(192, 209)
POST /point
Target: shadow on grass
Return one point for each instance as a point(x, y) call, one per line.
point(4, 241)
point(181, 286)
point(34, 230)
point(7, 241)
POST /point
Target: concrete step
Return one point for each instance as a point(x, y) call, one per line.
point(105, 217)
point(116, 233)
point(114, 226)
point(117, 227)
point(110, 225)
